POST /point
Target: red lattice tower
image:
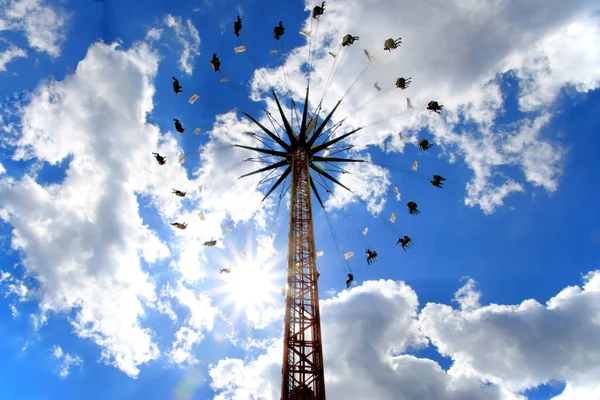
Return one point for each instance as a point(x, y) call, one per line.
point(303, 375)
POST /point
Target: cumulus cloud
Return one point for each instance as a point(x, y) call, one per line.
point(201, 316)
point(506, 40)
point(366, 332)
point(467, 296)
point(181, 352)
point(43, 25)
point(66, 361)
point(566, 57)
point(78, 123)
point(526, 345)
point(540, 161)
point(234, 379)
point(219, 173)
point(498, 351)
point(369, 183)
point(82, 239)
point(10, 54)
point(189, 39)
point(218, 201)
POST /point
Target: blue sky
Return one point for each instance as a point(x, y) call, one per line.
point(103, 299)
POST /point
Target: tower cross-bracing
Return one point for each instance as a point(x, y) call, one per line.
point(303, 373)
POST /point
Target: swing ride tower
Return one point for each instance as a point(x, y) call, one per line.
point(303, 150)
point(302, 369)
point(302, 348)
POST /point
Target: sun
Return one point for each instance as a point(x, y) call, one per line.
point(250, 287)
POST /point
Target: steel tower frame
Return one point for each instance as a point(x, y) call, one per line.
point(303, 373)
point(302, 348)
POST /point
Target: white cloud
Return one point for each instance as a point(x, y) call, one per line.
point(10, 54)
point(100, 277)
point(181, 352)
point(368, 182)
point(154, 34)
point(234, 379)
point(224, 197)
point(38, 321)
point(468, 296)
point(520, 144)
point(43, 25)
point(82, 239)
point(66, 361)
point(567, 56)
point(522, 346)
point(540, 161)
point(188, 38)
point(83, 117)
point(365, 332)
point(201, 317)
point(13, 287)
point(497, 351)
point(57, 352)
point(260, 319)
point(265, 247)
point(571, 393)
point(456, 53)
